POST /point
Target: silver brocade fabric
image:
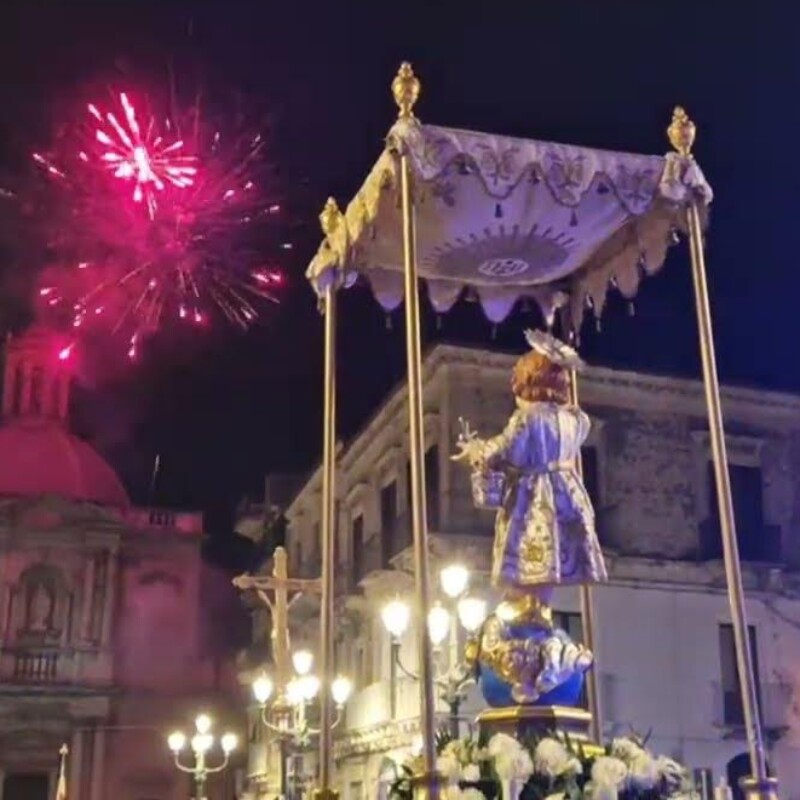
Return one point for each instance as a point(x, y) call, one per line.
point(545, 529)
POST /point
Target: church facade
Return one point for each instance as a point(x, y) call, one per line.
point(100, 616)
point(664, 646)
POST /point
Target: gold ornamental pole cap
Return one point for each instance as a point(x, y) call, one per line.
point(330, 216)
point(681, 132)
point(406, 89)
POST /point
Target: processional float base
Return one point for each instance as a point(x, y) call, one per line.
point(526, 721)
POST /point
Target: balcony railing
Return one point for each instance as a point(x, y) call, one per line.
point(35, 667)
point(50, 665)
point(774, 700)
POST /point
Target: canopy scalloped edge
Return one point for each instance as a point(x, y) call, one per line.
point(511, 218)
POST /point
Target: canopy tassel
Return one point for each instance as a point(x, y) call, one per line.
point(598, 324)
point(494, 332)
point(389, 325)
point(674, 237)
point(631, 309)
point(438, 322)
point(498, 211)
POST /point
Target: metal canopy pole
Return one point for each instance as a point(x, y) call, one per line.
point(759, 786)
point(406, 89)
point(329, 219)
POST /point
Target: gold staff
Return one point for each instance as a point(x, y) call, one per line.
point(759, 786)
point(406, 89)
point(587, 610)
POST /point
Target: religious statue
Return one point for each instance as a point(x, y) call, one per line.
point(40, 607)
point(544, 530)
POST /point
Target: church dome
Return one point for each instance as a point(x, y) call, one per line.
point(43, 458)
point(38, 453)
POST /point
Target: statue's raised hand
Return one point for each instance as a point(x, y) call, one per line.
point(469, 443)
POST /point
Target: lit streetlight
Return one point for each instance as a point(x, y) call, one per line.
point(453, 678)
point(201, 744)
point(284, 710)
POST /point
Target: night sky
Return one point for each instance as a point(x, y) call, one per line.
point(224, 409)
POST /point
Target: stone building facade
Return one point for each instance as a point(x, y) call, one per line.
point(664, 650)
point(100, 617)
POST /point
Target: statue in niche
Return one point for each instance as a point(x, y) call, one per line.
point(544, 531)
point(41, 602)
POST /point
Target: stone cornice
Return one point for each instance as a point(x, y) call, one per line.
point(599, 386)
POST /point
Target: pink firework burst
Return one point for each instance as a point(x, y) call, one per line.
point(143, 157)
point(202, 240)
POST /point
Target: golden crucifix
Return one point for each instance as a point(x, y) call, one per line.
point(278, 592)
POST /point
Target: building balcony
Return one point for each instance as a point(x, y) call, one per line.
point(48, 666)
point(774, 699)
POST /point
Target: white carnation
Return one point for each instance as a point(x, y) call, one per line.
point(471, 773)
point(451, 792)
point(609, 772)
point(626, 749)
point(671, 772)
point(643, 772)
point(447, 766)
point(500, 743)
point(551, 758)
point(472, 794)
point(514, 765)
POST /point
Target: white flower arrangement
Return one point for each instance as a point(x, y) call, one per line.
point(549, 768)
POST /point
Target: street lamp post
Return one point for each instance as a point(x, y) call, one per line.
point(286, 717)
point(201, 744)
point(452, 675)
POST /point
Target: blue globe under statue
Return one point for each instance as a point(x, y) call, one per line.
point(497, 693)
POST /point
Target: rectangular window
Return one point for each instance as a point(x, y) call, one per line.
point(732, 709)
point(357, 543)
point(757, 541)
point(389, 543)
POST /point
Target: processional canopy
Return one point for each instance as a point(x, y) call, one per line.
point(511, 218)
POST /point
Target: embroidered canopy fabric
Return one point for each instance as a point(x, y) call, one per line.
point(510, 218)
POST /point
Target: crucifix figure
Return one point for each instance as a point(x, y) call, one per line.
point(278, 592)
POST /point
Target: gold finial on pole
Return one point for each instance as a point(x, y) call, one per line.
point(329, 218)
point(64, 751)
point(406, 89)
point(681, 132)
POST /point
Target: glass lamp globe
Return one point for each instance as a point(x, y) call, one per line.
point(341, 689)
point(201, 742)
point(472, 613)
point(203, 723)
point(396, 616)
point(294, 692)
point(454, 579)
point(438, 624)
point(262, 688)
point(229, 742)
point(309, 687)
point(176, 741)
point(302, 661)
